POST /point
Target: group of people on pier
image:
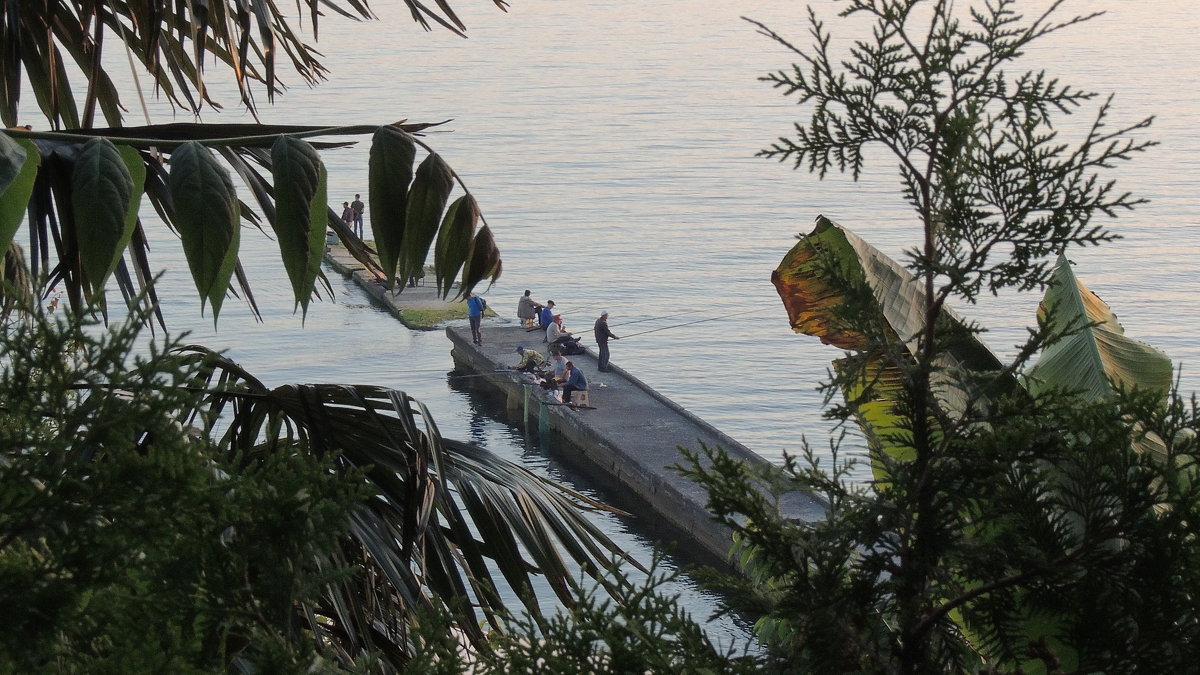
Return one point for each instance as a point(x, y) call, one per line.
point(352, 215)
point(556, 371)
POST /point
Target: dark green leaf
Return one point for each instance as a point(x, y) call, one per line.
point(426, 200)
point(392, 155)
point(206, 215)
point(103, 198)
point(482, 262)
point(454, 241)
point(300, 205)
point(19, 161)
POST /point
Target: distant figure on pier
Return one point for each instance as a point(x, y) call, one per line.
point(532, 360)
point(562, 338)
point(527, 309)
point(475, 307)
point(348, 215)
point(546, 315)
point(358, 207)
point(575, 381)
point(602, 335)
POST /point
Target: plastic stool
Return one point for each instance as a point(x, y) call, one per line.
point(581, 398)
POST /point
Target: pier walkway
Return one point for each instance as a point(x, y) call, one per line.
point(630, 436)
point(632, 433)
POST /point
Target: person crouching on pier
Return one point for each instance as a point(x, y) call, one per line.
point(531, 361)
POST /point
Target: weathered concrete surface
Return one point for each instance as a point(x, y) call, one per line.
point(418, 307)
point(633, 434)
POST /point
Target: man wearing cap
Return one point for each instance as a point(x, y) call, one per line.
point(531, 360)
point(602, 336)
point(562, 338)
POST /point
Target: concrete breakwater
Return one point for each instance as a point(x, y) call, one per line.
point(631, 433)
point(630, 437)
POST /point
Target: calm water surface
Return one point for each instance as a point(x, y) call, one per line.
point(611, 147)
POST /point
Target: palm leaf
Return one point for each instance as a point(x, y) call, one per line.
point(175, 43)
point(206, 214)
point(301, 205)
point(106, 190)
point(392, 154)
point(275, 182)
point(454, 241)
point(19, 161)
point(426, 200)
point(446, 514)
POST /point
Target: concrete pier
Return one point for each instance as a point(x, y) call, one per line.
point(631, 434)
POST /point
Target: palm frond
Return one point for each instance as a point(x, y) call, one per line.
point(450, 524)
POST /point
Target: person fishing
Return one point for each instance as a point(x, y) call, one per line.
point(546, 315)
point(562, 339)
point(574, 381)
point(602, 336)
point(527, 309)
point(531, 360)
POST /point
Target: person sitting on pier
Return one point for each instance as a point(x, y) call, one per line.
point(527, 309)
point(531, 360)
point(562, 338)
point(546, 315)
point(575, 381)
point(559, 362)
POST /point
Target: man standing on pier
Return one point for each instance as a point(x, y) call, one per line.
point(357, 207)
point(602, 336)
point(475, 307)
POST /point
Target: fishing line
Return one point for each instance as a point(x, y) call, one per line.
point(653, 318)
point(689, 323)
point(487, 374)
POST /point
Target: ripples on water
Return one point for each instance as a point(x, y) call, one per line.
point(611, 148)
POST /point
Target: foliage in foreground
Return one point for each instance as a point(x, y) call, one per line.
point(1035, 520)
point(78, 186)
point(163, 511)
point(131, 544)
point(647, 632)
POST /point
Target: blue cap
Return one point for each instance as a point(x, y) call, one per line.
point(521, 348)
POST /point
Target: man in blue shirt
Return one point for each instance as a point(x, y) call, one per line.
point(575, 381)
point(546, 315)
point(475, 307)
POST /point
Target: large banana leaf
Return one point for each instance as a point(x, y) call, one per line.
point(1095, 355)
point(1095, 358)
point(48, 172)
point(837, 287)
point(450, 523)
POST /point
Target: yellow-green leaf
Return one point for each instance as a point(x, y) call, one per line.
point(1097, 354)
point(207, 216)
point(19, 160)
point(300, 210)
point(391, 162)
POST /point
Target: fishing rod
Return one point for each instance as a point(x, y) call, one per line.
point(487, 374)
point(689, 323)
point(653, 318)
